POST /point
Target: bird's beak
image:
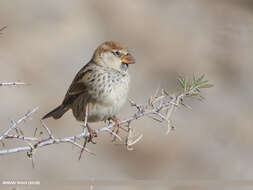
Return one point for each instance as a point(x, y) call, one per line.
point(128, 59)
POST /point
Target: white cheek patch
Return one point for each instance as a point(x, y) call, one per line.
point(111, 60)
point(108, 57)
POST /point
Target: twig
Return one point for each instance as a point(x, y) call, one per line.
point(84, 130)
point(21, 138)
point(15, 123)
point(160, 109)
point(13, 83)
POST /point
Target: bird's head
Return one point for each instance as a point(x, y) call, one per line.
point(113, 55)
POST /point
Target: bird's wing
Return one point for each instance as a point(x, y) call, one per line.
point(78, 86)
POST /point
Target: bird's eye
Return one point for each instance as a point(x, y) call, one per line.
point(117, 53)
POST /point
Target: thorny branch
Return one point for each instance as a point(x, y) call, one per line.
point(159, 108)
point(12, 83)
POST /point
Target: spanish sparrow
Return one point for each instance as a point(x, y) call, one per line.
point(100, 88)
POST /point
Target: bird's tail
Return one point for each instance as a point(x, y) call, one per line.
point(57, 112)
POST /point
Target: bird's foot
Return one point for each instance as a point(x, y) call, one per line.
point(92, 135)
point(115, 129)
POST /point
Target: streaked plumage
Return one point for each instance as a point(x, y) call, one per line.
point(103, 84)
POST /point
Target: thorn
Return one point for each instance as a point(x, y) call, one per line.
point(84, 145)
point(35, 131)
point(135, 141)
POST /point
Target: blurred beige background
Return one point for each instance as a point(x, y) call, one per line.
point(47, 42)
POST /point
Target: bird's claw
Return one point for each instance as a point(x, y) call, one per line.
point(115, 127)
point(92, 135)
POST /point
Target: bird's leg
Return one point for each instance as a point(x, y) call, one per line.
point(115, 127)
point(92, 132)
point(92, 135)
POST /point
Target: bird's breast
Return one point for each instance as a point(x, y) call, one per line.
point(109, 97)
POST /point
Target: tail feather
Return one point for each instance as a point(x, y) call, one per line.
point(57, 112)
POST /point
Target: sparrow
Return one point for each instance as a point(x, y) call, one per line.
point(100, 89)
